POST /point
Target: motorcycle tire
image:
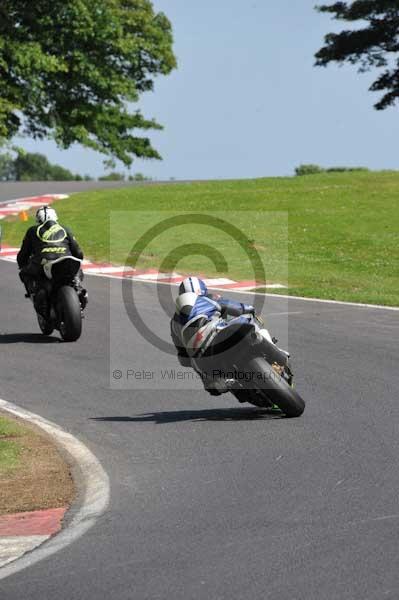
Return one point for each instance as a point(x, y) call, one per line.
point(252, 397)
point(69, 314)
point(275, 388)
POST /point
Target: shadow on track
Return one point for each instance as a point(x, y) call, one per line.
point(216, 414)
point(27, 338)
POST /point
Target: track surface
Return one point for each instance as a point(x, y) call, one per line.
point(13, 190)
point(213, 500)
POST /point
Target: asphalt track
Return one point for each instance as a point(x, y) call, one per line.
point(12, 190)
point(211, 500)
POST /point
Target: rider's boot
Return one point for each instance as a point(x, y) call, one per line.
point(214, 387)
point(83, 298)
point(81, 291)
point(266, 335)
point(29, 284)
point(41, 303)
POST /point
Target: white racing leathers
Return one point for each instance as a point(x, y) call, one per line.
point(194, 328)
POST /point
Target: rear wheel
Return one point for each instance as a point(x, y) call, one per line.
point(69, 314)
point(274, 388)
point(252, 397)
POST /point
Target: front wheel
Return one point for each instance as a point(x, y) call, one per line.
point(69, 314)
point(275, 388)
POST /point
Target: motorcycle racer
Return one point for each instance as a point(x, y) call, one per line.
point(46, 241)
point(198, 317)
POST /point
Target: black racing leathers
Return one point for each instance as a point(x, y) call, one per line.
point(46, 242)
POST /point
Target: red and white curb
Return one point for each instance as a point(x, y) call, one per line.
point(150, 275)
point(154, 276)
point(21, 533)
point(14, 207)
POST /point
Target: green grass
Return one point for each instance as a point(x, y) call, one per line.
point(342, 241)
point(10, 448)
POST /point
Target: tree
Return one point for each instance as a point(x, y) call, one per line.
point(57, 173)
point(114, 176)
point(70, 68)
point(7, 170)
point(139, 177)
point(308, 169)
point(376, 44)
point(31, 166)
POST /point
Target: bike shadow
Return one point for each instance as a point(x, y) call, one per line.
point(27, 338)
point(214, 414)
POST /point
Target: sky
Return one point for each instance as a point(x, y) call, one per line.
point(246, 100)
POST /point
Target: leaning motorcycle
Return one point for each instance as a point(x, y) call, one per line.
point(65, 299)
point(241, 359)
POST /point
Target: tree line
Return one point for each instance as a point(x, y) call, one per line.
point(312, 169)
point(18, 165)
point(32, 166)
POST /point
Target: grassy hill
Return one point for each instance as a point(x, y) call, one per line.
point(334, 235)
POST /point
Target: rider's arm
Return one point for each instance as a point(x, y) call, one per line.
point(26, 250)
point(235, 309)
point(73, 244)
point(182, 355)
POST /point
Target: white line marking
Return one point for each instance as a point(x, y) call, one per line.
point(281, 314)
point(220, 281)
point(12, 547)
point(96, 492)
point(106, 270)
point(155, 276)
point(9, 259)
point(21, 206)
point(322, 300)
point(246, 293)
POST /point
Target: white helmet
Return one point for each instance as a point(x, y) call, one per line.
point(46, 213)
point(185, 303)
point(193, 284)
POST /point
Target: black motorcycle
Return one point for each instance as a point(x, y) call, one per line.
point(241, 360)
point(60, 300)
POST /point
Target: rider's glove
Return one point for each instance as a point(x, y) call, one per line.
point(248, 309)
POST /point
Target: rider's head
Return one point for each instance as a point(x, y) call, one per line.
point(45, 213)
point(194, 285)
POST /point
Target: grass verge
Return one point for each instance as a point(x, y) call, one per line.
point(10, 445)
point(33, 475)
point(332, 236)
